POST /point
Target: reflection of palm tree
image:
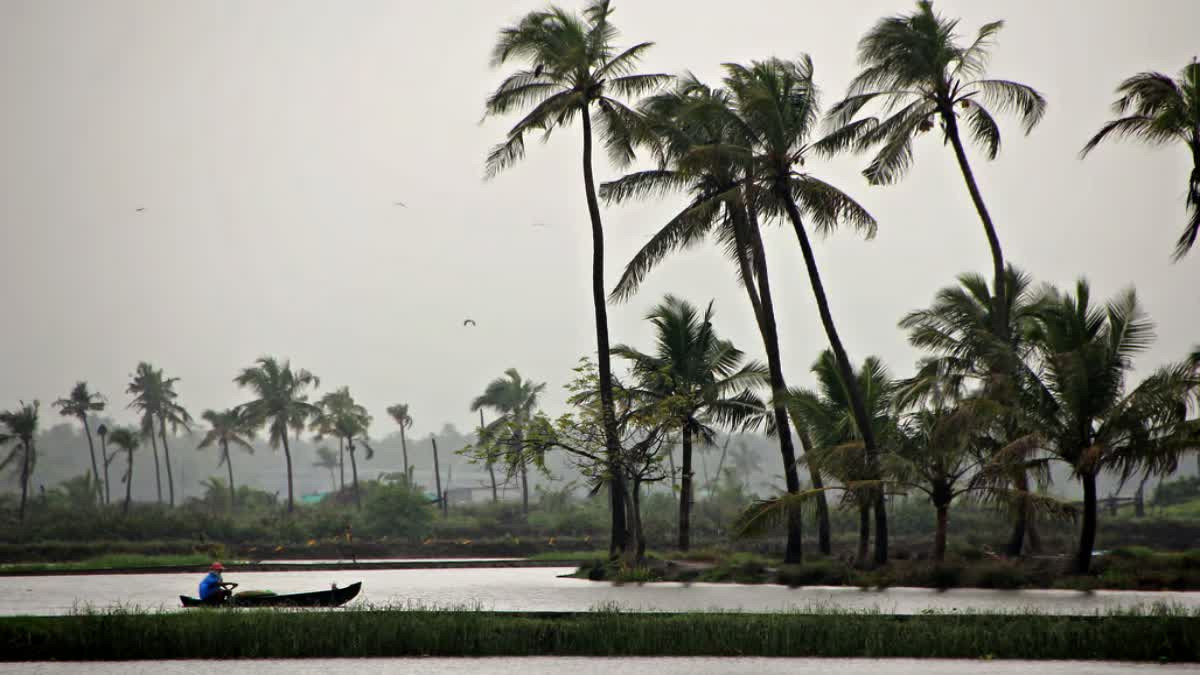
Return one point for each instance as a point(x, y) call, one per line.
point(231, 426)
point(78, 404)
point(514, 400)
point(18, 428)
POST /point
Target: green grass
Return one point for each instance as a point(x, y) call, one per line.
point(111, 561)
point(1160, 635)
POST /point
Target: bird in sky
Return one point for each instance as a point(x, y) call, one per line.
point(140, 209)
point(400, 204)
point(469, 321)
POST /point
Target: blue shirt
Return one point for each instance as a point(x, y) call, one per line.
point(210, 586)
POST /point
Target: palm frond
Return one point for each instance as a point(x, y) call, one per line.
point(1009, 96)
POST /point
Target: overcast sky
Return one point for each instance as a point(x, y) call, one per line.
point(268, 140)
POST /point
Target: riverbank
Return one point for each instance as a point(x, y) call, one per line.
point(1159, 636)
point(197, 564)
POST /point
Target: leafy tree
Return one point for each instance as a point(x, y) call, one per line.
point(228, 427)
point(339, 415)
point(399, 413)
point(514, 400)
point(281, 404)
point(916, 67)
point(78, 494)
point(573, 70)
point(707, 373)
point(78, 404)
point(154, 395)
point(18, 428)
point(1157, 110)
point(127, 440)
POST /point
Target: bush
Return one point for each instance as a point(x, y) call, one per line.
point(397, 510)
point(822, 573)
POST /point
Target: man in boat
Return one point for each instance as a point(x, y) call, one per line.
point(213, 588)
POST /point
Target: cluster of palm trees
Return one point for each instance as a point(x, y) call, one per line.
point(741, 153)
point(280, 404)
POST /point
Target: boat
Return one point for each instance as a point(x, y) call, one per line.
point(330, 598)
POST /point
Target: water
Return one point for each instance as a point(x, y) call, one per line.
point(541, 589)
point(554, 665)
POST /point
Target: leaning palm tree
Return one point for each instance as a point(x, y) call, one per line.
point(700, 377)
point(514, 400)
point(399, 413)
point(916, 67)
point(341, 416)
point(227, 427)
point(126, 439)
point(778, 104)
point(327, 460)
point(78, 404)
point(18, 428)
point(154, 395)
point(1157, 110)
point(700, 147)
point(281, 404)
point(146, 386)
point(1077, 399)
point(573, 70)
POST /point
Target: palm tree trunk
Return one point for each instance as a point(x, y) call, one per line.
point(104, 453)
point(1000, 308)
point(167, 458)
point(341, 463)
point(287, 455)
point(491, 466)
point(794, 547)
point(1139, 497)
point(857, 406)
point(128, 482)
point(92, 451)
point(685, 492)
point(157, 476)
point(24, 479)
point(1087, 534)
point(939, 539)
point(864, 532)
point(824, 537)
point(229, 465)
point(620, 535)
point(354, 475)
point(404, 449)
point(437, 475)
point(639, 532)
point(1016, 541)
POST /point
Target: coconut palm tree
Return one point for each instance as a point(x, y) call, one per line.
point(341, 416)
point(1158, 110)
point(281, 404)
point(1076, 396)
point(102, 432)
point(573, 70)
point(78, 404)
point(126, 439)
point(228, 427)
point(514, 401)
point(399, 413)
point(18, 428)
point(778, 103)
point(701, 377)
point(916, 67)
point(327, 460)
point(154, 395)
point(700, 147)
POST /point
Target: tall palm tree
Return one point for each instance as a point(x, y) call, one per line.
point(915, 65)
point(126, 439)
point(327, 460)
point(341, 416)
point(399, 413)
point(573, 70)
point(228, 427)
point(1157, 110)
point(697, 138)
point(514, 400)
point(145, 384)
point(102, 432)
point(702, 377)
point(78, 404)
point(778, 103)
point(154, 395)
point(19, 428)
point(281, 404)
point(1077, 398)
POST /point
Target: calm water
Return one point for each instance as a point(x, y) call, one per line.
point(541, 589)
point(605, 666)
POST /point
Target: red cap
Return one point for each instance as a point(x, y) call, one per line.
point(217, 567)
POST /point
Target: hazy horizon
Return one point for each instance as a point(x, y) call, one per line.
point(268, 142)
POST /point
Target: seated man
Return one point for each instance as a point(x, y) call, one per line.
point(213, 588)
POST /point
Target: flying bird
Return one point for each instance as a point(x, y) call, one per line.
point(539, 225)
point(469, 321)
point(140, 209)
point(401, 204)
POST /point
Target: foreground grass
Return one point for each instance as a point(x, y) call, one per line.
point(1162, 635)
point(112, 561)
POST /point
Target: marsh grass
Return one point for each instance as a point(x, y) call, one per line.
point(1158, 633)
point(112, 561)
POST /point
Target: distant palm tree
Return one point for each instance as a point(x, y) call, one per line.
point(228, 427)
point(573, 71)
point(703, 379)
point(915, 66)
point(102, 432)
point(1163, 111)
point(514, 400)
point(78, 404)
point(154, 395)
point(126, 439)
point(327, 460)
point(341, 416)
point(399, 413)
point(281, 404)
point(19, 428)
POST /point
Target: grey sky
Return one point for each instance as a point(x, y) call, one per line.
point(267, 142)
